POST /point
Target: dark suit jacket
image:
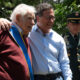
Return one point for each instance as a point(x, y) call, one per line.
point(73, 49)
point(13, 65)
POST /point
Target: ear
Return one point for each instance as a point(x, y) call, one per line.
point(18, 17)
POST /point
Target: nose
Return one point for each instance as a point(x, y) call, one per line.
point(32, 22)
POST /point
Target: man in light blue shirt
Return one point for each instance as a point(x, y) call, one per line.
point(49, 53)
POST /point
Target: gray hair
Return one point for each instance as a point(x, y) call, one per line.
point(43, 7)
point(22, 9)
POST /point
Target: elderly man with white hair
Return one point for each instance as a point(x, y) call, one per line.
point(15, 56)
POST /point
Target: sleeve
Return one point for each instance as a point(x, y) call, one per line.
point(2, 36)
point(1, 41)
point(64, 62)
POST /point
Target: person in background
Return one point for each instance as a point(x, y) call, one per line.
point(72, 39)
point(49, 55)
point(15, 56)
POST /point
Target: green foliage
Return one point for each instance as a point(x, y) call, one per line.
point(60, 17)
point(6, 6)
point(61, 11)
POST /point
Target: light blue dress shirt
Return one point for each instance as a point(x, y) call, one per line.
point(49, 53)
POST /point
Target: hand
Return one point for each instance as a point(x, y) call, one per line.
point(4, 24)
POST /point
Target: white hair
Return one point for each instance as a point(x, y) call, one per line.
point(22, 9)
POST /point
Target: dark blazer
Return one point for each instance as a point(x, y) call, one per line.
point(13, 65)
point(73, 49)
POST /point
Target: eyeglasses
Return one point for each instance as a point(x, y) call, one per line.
point(49, 17)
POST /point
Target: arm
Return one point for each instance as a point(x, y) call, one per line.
point(64, 62)
point(4, 24)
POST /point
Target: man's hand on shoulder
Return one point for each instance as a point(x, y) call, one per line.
point(5, 24)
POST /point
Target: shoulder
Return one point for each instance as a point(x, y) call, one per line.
point(65, 34)
point(57, 37)
point(4, 32)
point(3, 35)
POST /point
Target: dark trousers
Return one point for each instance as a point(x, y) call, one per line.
point(57, 76)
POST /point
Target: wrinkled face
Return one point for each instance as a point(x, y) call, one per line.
point(45, 22)
point(26, 22)
point(74, 28)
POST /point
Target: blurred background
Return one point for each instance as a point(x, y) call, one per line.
point(62, 9)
